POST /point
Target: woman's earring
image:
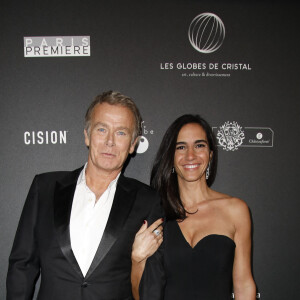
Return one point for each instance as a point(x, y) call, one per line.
point(173, 170)
point(207, 171)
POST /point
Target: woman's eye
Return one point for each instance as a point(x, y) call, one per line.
point(179, 147)
point(200, 145)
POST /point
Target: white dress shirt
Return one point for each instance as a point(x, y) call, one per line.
point(88, 220)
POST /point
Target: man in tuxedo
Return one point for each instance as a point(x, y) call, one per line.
point(77, 228)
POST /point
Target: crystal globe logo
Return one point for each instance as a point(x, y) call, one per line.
point(206, 33)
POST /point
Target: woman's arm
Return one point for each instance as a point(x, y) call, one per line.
point(145, 244)
point(243, 283)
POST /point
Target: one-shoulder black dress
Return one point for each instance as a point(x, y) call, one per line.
point(185, 273)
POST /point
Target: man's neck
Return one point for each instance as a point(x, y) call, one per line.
point(98, 180)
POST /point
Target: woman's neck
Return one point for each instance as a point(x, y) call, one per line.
point(193, 193)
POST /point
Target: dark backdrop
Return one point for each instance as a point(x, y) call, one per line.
point(141, 49)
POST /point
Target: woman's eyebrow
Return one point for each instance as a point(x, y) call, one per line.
point(201, 141)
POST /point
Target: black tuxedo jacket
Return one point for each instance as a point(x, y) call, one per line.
point(42, 243)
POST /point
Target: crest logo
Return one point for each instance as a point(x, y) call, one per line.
point(206, 33)
point(230, 136)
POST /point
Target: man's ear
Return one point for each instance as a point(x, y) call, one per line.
point(134, 145)
point(86, 138)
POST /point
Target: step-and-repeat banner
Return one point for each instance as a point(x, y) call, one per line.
point(233, 62)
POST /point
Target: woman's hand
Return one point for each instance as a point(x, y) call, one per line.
point(147, 240)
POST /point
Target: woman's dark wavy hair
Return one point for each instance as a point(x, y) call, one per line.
point(162, 178)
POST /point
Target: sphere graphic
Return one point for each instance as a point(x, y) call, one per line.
point(206, 33)
point(259, 136)
point(143, 145)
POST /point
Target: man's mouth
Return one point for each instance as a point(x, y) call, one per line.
point(108, 154)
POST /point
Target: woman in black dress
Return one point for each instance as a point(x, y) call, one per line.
point(207, 235)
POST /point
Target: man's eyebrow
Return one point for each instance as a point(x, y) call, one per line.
point(106, 126)
point(100, 124)
point(123, 128)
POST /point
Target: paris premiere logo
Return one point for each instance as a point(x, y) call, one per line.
point(230, 136)
point(206, 33)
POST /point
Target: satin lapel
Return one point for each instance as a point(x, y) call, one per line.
point(63, 198)
point(122, 204)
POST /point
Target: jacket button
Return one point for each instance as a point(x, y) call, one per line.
point(84, 285)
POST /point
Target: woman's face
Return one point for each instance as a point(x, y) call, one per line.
point(192, 153)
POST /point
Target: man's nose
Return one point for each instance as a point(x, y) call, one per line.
point(110, 139)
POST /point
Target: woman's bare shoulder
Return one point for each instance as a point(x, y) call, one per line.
point(239, 212)
point(236, 206)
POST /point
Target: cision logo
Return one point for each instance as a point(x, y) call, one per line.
point(231, 136)
point(45, 137)
point(57, 46)
point(206, 33)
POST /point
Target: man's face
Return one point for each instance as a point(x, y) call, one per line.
point(109, 138)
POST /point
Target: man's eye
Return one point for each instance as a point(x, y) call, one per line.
point(101, 129)
point(121, 133)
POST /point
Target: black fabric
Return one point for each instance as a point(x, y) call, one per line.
point(200, 273)
point(42, 243)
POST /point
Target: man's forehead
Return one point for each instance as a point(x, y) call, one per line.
point(112, 109)
point(117, 115)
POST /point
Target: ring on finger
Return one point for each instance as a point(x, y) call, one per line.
point(156, 232)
